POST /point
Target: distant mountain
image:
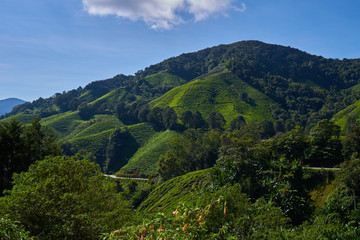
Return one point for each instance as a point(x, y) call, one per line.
point(6, 105)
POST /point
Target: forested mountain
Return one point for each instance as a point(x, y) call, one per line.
point(6, 105)
point(273, 86)
point(239, 134)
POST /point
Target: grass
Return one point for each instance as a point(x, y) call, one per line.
point(320, 194)
point(96, 144)
point(142, 132)
point(341, 117)
point(98, 124)
point(111, 97)
point(63, 124)
point(164, 80)
point(145, 160)
point(167, 196)
point(220, 92)
point(24, 118)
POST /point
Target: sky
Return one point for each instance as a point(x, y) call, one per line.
point(51, 46)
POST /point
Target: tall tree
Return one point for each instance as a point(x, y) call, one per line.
point(169, 118)
point(216, 120)
point(20, 146)
point(325, 144)
point(120, 148)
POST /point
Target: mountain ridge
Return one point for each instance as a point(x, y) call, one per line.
point(250, 81)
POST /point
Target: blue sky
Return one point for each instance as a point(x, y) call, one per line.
point(48, 46)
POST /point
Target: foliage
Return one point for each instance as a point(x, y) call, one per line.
point(65, 197)
point(186, 189)
point(192, 151)
point(267, 169)
point(120, 148)
point(20, 146)
point(231, 216)
point(145, 160)
point(325, 144)
point(12, 230)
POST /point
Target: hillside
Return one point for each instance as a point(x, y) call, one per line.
point(241, 141)
point(6, 105)
point(220, 92)
point(272, 86)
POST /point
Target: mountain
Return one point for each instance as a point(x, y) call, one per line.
point(6, 105)
point(272, 86)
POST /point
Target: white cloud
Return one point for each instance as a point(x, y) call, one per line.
point(160, 14)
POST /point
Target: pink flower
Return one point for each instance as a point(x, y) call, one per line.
point(160, 229)
point(186, 227)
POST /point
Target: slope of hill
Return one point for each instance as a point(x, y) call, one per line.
point(146, 158)
point(6, 105)
point(221, 92)
point(252, 79)
point(167, 196)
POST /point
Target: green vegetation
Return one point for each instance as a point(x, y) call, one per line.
point(145, 160)
point(95, 144)
point(182, 189)
point(221, 93)
point(232, 140)
point(164, 80)
point(65, 198)
point(63, 124)
point(21, 146)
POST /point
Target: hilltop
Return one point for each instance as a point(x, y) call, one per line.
point(6, 105)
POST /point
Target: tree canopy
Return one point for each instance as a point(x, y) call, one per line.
point(65, 198)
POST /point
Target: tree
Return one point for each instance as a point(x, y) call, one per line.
point(20, 146)
point(187, 119)
point(237, 123)
point(155, 116)
point(192, 151)
point(40, 142)
point(325, 144)
point(216, 120)
point(120, 148)
point(169, 118)
point(292, 145)
point(351, 142)
point(198, 120)
point(267, 128)
point(65, 198)
point(12, 151)
point(85, 111)
point(10, 229)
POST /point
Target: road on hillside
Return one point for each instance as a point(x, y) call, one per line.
point(134, 178)
point(323, 168)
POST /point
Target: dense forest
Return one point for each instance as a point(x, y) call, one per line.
point(240, 141)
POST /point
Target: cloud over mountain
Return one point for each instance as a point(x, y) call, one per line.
point(160, 14)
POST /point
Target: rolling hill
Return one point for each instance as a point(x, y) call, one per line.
point(261, 83)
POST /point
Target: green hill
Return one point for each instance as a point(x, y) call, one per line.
point(145, 160)
point(221, 92)
point(182, 189)
point(258, 81)
point(341, 117)
point(164, 80)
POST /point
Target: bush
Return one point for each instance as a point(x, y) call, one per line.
point(65, 198)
